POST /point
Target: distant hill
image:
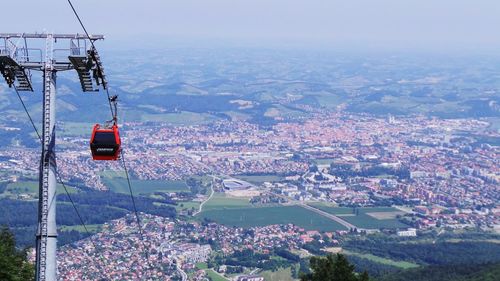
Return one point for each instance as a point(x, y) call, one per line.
point(273, 84)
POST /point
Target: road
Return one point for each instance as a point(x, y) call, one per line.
point(254, 271)
point(316, 210)
point(200, 208)
point(293, 202)
point(184, 276)
point(328, 215)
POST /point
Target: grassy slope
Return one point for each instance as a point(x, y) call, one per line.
point(214, 276)
point(283, 274)
point(399, 264)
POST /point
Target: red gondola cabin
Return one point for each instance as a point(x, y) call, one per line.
point(105, 143)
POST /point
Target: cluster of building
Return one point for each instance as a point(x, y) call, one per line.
point(119, 253)
point(416, 160)
point(169, 249)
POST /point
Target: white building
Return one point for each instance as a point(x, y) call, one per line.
point(410, 232)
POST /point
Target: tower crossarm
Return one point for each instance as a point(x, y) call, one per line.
point(45, 35)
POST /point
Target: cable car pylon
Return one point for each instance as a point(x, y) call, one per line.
point(16, 63)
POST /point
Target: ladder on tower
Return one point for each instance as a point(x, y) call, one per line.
point(83, 65)
point(12, 71)
point(46, 158)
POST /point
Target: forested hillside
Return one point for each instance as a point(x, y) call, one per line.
point(13, 264)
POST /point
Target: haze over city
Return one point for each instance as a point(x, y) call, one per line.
point(250, 140)
point(367, 25)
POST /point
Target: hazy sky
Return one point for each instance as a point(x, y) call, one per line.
point(426, 24)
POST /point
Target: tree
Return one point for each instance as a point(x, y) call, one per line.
point(364, 276)
point(332, 268)
point(13, 263)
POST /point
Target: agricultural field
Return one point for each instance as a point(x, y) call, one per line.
point(119, 185)
point(117, 182)
point(369, 218)
point(339, 211)
point(222, 201)
point(385, 215)
point(29, 190)
point(364, 220)
point(93, 228)
point(262, 216)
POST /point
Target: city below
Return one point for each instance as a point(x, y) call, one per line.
point(290, 185)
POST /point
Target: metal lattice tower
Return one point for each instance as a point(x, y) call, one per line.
point(16, 63)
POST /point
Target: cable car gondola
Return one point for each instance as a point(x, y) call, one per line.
point(105, 143)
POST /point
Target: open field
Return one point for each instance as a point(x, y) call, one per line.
point(282, 274)
point(238, 116)
point(323, 161)
point(202, 265)
point(363, 220)
point(117, 182)
point(244, 215)
point(250, 217)
point(332, 210)
point(333, 250)
point(398, 264)
point(187, 205)
point(181, 118)
point(204, 179)
point(93, 228)
point(370, 218)
point(222, 201)
point(145, 186)
point(215, 276)
point(29, 188)
point(385, 215)
point(112, 174)
point(75, 129)
point(328, 99)
point(243, 193)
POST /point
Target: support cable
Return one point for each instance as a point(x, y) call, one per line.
point(29, 115)
point(113, 116)
point(135, 208)
point(59, 178)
